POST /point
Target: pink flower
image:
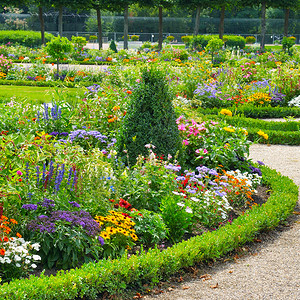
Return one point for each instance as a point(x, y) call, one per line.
point(205, 151)
point(181, 127)
point(178, 120)
point(19, 173)
point(185, 142)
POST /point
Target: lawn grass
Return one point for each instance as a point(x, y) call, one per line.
point(39, 94)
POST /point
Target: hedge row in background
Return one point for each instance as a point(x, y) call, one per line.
point(200, 41)
point(22, 37)
point(115, 276)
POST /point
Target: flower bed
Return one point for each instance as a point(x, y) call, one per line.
point(117, 275)
point(91, 180)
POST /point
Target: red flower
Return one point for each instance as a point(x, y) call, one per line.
point(2, 252)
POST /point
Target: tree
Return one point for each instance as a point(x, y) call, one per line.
point(222, 5)
point(119, 5)
point(264, 4)
point(287, 5)
point(160, 4)
point(199, 5)
point(41, 4)
point(58, 48)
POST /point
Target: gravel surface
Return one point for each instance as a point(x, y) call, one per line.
point(271, 270)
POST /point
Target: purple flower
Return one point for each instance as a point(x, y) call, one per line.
point(30, 206)
point(74, 204)
point(260, 163)
point(101, 240)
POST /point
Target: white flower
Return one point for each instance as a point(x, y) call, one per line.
point(36, 246)
point(33, 266)
point(36, 257)
point(195, 199)
point(18, 265)
point(180, 204)
point(188, 210)
point(18, 258)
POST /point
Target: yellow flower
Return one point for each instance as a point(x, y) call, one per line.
point(229, 129)
point(226, 112)
point(264, 135)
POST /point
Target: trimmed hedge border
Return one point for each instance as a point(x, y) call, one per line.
point(284, 133)
point(114, 276)
point(45, 83)
point(256, 112)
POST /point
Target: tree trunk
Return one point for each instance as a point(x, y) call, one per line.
point(126, 27)
point(160, 32)
point(221, 25)
point(197, 20)
point(99, 24)
point(57, 68)
point(286, 21)
point(60, 21)
point(263, 25)
point(42, 25)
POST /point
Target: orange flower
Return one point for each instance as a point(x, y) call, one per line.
point(129, 92)
point(109, 59)
point(5, 239)
point(18, 235)
point(2, 252)
point(52, 64)
point(13, 221)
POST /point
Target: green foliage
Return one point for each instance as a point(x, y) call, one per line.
point(233, 41)
point(134, 38)
point(25, 38)
point(288, 43)
point(59, 47)
point(176, 216)
point(149, 227)
point(150, 118)
point(186, 39)
point(79, 42)
point(112, 46)
point(170, 38)
point(147, 183)
point(250, 40)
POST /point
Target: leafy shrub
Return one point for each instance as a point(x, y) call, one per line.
point(186, 39)
point(79, 42)
point(149, 227)
point(113, 47)
point(170, 38)
point(150, 118)
point(250, 40)
point(177, 216)
point(25, 38)
point(134, 38)
point(234, 41)
point(288, 43)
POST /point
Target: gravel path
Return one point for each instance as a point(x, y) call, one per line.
point(272, 271)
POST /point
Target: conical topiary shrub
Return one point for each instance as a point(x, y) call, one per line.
point(150, 118)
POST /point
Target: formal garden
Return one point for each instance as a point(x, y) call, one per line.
point(138, 167)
